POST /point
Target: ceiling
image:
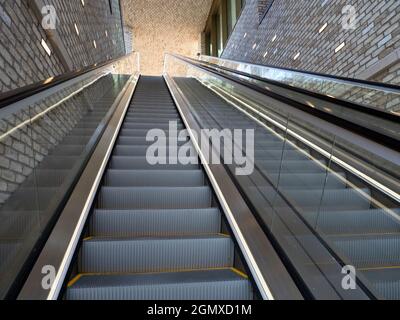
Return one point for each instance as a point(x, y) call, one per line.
point(165, 26)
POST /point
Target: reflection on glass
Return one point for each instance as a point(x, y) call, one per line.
point(322, 211)
point(44, 146)
point(368, 95)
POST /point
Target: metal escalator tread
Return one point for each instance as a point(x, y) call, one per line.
point(154, 197)
point(224, 284)
point(132, 151)
point(155, 222)
point(155, 233)
point(150, 254)
point(132, 163)
point(57, 153)
point(140, 141)
point(355, 228)
point(157, 178)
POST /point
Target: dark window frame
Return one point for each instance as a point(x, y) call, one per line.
point(110, 4)
point(263, 8)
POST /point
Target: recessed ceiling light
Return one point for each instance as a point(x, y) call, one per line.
point(340, 47)
point(48, 80)
point(245, 35)
point(296, 56)
point(274, 38)
point(46, 47)
point(265, 54)
point(254, 46)
point(95, 44)
point(76, 29)
point(106, 33)
point(323, 27)
point(83, 2)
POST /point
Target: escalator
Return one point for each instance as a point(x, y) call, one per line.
point(54, 149)
point(156, 231)
point(340, 210)
point(121, 220)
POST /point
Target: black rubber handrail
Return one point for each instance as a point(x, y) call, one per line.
point(323, 75)
point(19, 94)
point(354, 127)
point(344, 103)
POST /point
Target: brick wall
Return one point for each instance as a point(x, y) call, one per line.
point(291, 29)
point(24, 61)
point(21, 150)
point(263, 6)
point(165, 26)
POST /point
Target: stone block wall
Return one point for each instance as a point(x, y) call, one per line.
point(165, 26)
point(24, 61)
point(23, 148)
point(305, 34)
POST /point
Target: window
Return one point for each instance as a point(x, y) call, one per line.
point(234, 8)
point(220, 24)
point(263, 8)
point(111, 7)
point(220, 37)
point(208, 44)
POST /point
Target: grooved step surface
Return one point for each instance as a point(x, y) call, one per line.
point(141, 162)
point(154, 197)
point(154, 233)
point(109, 255)
point(195, 285)
point(156, 178)
point(137, 223)
point(294, 183)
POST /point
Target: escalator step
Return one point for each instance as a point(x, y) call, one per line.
point(149, 126)
point(163, 178)
point(154, 197)
point(110, 255)
point(289, 166)
point(135, 151)
point(340, 199)
point(139, 133)
point(308, 180)
point(81, 132)
point(56, 162)
point(17, 224)
point(47, 178)
point(132, 163)
point(160, 115)
point(136, 223)
point(76, 140)
point(8, 250)
point(68, 150)
point(33, 198)
point(385, 281)
point(371, 221)
point(141, 141)
point(279, 155)
point(151, 119)
point(224, 284)
point(369, 251)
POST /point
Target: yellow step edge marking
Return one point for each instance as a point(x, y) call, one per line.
point(161, 237)
point(240, 273)
point(362, 234)
point(79, 276)
point(74, 280)
point(379, 268)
